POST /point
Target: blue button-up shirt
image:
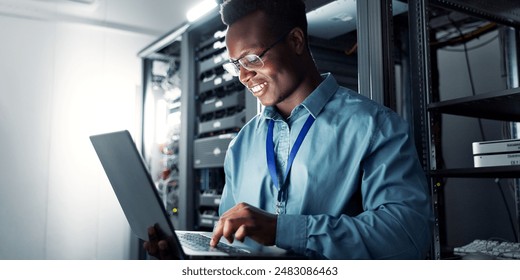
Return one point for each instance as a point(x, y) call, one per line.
point(356, 189)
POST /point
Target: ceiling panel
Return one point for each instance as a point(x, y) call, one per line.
point(339, 17)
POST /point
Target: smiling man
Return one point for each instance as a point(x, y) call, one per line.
point(322, 171)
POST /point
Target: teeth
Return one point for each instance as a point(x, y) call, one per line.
point(258, 87)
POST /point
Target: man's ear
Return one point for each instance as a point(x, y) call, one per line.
point(297, 40)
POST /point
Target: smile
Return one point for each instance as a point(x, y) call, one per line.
point(257, 88)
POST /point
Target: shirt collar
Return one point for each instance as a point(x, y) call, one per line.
point(314, 103)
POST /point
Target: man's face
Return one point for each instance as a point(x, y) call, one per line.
point(277, 79)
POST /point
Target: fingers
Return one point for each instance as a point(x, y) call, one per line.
point(241, 233)
point(228, 224)
point(218, 232)
point(244, 221)
point(215, 239)
point(157, 244)
point(152, 234)
point(164, 250)
point(151, 245)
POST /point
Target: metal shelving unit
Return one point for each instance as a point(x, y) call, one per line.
point(481, 172)
point(501, 105)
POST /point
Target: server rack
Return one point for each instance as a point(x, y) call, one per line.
point(161, 106)
point(213, 107)
point(221, 111)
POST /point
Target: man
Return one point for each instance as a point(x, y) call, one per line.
point(322, 171)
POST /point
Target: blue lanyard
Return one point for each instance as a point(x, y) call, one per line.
point(271, 162)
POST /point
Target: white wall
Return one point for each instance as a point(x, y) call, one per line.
point(59, 83)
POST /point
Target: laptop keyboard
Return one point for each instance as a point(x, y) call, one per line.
point(199, 242)
point(498, 249)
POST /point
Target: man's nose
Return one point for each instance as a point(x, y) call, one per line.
point(245, 75)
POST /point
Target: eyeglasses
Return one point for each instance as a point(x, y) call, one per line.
point(249, 61)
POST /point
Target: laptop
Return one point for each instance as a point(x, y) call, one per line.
point(143, 208)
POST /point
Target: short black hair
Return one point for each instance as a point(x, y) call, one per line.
point(283, 15)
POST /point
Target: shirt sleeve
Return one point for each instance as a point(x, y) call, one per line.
point(396, 219)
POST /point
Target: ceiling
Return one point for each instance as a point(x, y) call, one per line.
point(327, 18)
point(338, 17)
point(143, 16)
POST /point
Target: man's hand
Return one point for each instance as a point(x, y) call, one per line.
point(159, 245)
point(245, 220)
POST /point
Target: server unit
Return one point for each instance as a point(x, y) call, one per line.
point(209, 152)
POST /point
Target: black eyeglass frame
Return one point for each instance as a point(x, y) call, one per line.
point(238, 65)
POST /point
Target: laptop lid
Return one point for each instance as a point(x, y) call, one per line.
point(133, 185)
